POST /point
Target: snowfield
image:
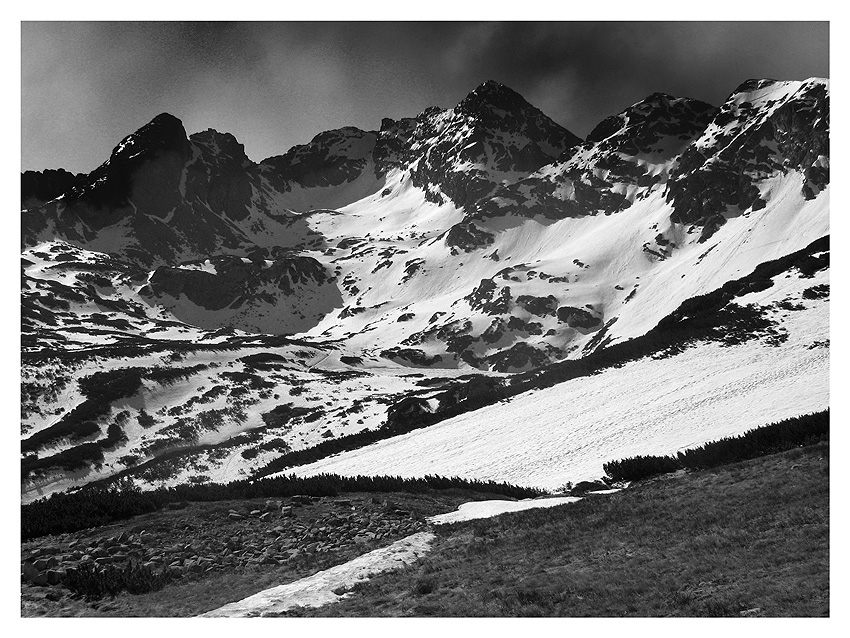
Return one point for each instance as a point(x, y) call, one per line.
point(545, 438)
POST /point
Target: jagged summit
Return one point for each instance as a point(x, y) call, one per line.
point(659, 114)
point(477, 240)
point(163, 132)
point(491, 94)
point(497, 106)
point(754, 84)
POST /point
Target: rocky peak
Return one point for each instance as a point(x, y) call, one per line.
point(763, 129)
point(657, 115)
point(38, 187)
point(495, 106)
point(329, 159)
point(220, 145)
point(159, 147)
point(753, 84)
point(163, 133)
point(488, 96)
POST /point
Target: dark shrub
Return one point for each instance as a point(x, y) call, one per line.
point(640, 467)
point(92, 583)
point(776, 437)
point(97, 505)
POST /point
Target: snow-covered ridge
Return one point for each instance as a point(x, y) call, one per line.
point(482, 239)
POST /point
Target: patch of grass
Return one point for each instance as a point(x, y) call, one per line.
point(748, 539)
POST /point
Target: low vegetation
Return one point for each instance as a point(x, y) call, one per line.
point(746, 539)
point(100, 505)
point(776, 437)
point(92, 583)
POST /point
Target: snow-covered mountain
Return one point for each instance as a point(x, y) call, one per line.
point(412, 267)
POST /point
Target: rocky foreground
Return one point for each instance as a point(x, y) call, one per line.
point(200, 538)
point(195, 544)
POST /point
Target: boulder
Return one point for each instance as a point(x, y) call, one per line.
point(40, 579)
point(54, 576)
point(28, 571)
point(42, 564)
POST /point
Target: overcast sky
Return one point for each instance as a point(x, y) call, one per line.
point(85, 85)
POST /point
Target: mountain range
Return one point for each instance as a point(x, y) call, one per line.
point(189, 314)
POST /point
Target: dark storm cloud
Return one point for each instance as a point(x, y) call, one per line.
point(86, 85)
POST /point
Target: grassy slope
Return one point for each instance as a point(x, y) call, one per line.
point(751, 538)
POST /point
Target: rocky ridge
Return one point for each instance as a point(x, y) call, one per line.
point(354, 279)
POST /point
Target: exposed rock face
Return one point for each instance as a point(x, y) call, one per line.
point(39, 187)
point(330, 159)
point(467, 236)
point(163, 197)
point(461, 154)
point(623, 157)
point(578, 318)
point(764, 128)
point(276, 294)
point(495, 175)
point(145, 165)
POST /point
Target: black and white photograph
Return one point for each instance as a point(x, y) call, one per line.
point(468, 318)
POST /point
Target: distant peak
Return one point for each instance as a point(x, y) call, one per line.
point(753, 85)
point(166, 118)
point(657, 98)
point(163, 132)
point(657, 109)
point(492, 94)
point(491, 86)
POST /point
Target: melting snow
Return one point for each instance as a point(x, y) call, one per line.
point(320, 588)
point(486, 509)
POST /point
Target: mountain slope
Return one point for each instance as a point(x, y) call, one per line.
point(247, 310)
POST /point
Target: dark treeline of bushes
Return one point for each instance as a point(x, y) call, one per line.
point(74, 458)
point(92, 507)
point(776, 437)
point(170, 375)
point(330, 447)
